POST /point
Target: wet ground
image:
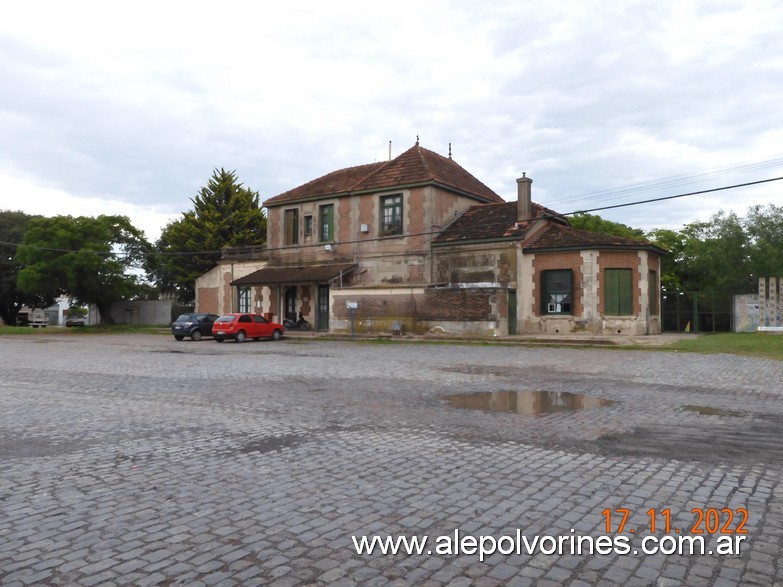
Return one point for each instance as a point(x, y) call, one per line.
point(141, 460)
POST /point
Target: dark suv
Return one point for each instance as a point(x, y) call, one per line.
point(193, 325)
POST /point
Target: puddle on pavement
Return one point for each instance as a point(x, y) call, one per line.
point(713, 411)
point(528, 403)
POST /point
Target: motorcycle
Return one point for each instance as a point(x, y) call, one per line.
point(298, 324)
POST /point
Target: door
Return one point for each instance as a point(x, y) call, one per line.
point(512, 311)
point(290, 302)
point(323, 308)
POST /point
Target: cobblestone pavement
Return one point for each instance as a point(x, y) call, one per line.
point(141, 460)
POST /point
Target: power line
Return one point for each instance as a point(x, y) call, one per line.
point(728, 187)
point(669, 182)
point(426, 233)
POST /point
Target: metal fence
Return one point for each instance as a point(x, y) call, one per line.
point(695, 311)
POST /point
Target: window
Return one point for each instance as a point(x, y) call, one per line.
point(618, 292)
point(308, 225)
point(244, 299)
point(291, 227)
point(391, 215)
point(652, 284)
point(326, 223)
point(556, 291)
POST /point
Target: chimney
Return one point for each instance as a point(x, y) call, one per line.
point(524, 205)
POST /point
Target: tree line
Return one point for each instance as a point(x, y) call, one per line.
point(725, 254)
point(100, 260)
point(104, 259)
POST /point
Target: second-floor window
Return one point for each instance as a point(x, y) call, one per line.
point(326, 223)
point(391, 215)
point(291, 227)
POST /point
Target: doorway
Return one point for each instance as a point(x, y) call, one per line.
point(512, 311)
point(290, 302)
point(323, 308)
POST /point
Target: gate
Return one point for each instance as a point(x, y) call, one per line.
point(696, 311)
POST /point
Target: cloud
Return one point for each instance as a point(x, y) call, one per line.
point(23, 194)
point(137, 106)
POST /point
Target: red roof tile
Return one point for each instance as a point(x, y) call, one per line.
point(499, 221)
point(556, 237)
point(491, 222)
point(415, 166)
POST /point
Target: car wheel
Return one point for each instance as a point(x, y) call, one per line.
point(178, 337)
point(196, 335)
point(218, 339)
point(276, 335)
point(240, 337)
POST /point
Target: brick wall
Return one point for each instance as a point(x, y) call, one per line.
point(549, 261)
point(342, 220)
point(477, 265)
point(208, 300)
point(433, 305)
point(619, 260)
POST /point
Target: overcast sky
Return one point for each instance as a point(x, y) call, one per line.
point(126, 108)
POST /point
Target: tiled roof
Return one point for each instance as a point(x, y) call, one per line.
point(294, 274)
point(554, 237)
point(415, 166)
point(490, 222)
point(337, 182)
point(499, 221)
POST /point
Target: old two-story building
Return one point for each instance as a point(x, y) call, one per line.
point(418, 244)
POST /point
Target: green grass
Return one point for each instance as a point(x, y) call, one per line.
point(85, 330)
point(750, 344)
point(753, 344)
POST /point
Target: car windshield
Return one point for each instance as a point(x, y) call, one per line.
point(226, 319)
point(183, 318)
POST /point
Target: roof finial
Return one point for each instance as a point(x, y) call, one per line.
point(417, 140)
point(449, 150)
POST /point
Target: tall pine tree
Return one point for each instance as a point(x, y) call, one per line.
point(225, 214)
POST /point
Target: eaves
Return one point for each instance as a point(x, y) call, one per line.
point(604, 247)
point(476, 241)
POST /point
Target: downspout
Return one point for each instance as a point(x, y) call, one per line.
point(231, 290)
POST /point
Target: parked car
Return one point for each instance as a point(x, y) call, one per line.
point(243, 326)
point(193, 325)
point(75, 320)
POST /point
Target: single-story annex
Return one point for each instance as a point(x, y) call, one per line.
point(418, 244)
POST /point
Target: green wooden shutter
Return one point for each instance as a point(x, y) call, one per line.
point(625, 291)
point(618, 292)
point(327, 223)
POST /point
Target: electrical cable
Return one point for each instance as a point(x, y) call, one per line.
point(426, 233)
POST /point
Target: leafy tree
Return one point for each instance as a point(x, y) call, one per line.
point(225, 214)
point(595, 223)
point(712, 256)
point(674, 243)
point(89, 259)
point(12, 228)
point(764, 226)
